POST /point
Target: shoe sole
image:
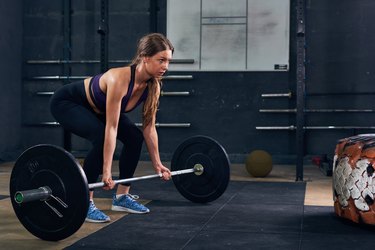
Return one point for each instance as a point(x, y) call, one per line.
point(128, 210)
point(96, 221)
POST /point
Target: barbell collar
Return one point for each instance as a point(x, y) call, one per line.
point(41, 193)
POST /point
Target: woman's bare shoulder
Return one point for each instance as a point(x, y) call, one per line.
point(118, 75)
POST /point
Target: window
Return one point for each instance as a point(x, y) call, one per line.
point(229, 35)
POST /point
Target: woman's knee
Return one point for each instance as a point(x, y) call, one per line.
point(138, 136)
point(134, 139)
point(96, 137)
point(128, 132)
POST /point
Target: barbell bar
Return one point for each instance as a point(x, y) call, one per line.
point(317, 110)
point(292, 127)
point(198, 169)
point(290, 94)
point(158, 124)
point(60, 77)
point(273, 95)
point(173, 61)
point(50, 193)
point(162, 93)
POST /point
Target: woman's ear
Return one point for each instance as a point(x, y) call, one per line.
point(146, 59)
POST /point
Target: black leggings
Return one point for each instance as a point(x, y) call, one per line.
point(70, 108)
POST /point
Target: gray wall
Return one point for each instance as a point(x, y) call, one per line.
point(222, 105)
point(10, 80)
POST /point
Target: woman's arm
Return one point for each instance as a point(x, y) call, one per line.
point(113, 108)
point(151, 138)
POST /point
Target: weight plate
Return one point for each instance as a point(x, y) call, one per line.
point(215, 178)
point(48, 165)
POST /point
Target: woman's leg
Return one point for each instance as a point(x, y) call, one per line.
point(132, 138)
point(70, 108)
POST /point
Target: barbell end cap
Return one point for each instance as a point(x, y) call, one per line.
point(18, 197)
point(198, 169)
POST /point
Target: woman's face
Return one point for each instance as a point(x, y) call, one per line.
point(157, 64)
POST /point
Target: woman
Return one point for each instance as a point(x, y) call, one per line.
point(96, 109)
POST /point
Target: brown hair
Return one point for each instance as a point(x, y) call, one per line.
point(150, 45)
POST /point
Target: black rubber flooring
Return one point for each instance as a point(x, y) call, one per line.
point(250, 215)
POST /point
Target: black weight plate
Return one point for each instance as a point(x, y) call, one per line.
point(211, 155)
point(48, 165)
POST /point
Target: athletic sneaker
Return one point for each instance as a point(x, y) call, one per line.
point(95, 215)
point(128, 203)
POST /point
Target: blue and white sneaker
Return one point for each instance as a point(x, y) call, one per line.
point(95, 215)
point(127, 203)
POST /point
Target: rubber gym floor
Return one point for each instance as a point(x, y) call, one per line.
point(254, 213)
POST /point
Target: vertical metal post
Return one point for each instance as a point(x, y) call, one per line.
point(67, 54)
point(103, 30)
point(300, 89)
point(153, 15)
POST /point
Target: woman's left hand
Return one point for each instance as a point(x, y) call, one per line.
point(107, 179)
point(165, 172)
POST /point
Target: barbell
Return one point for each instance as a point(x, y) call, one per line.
point(50, 194)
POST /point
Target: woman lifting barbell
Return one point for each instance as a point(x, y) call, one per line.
point(96, 108)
